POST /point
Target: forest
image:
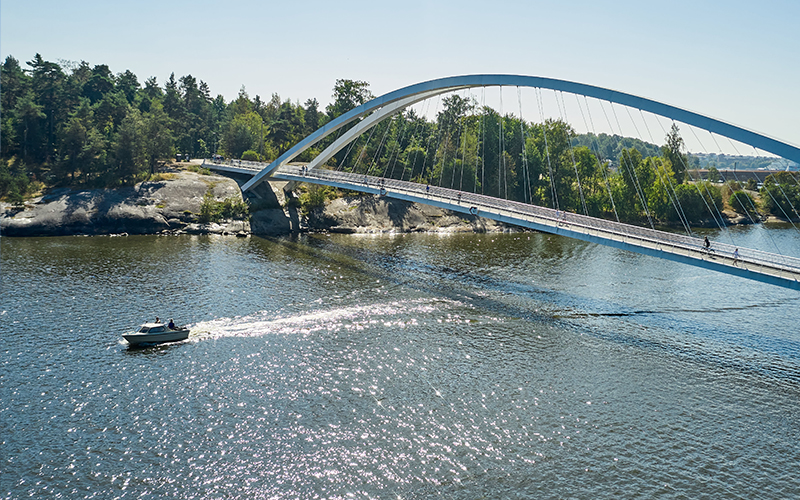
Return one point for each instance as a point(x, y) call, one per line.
point(83, 126)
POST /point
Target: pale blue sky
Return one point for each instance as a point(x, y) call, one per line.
point(734, 60)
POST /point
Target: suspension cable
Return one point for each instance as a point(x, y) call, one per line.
point(629, 164)
point(428, 147)
point(633, 168)
point(421, 120)
point(464, 142)
point(553, 192)
point(772, 240)
point(695, 183)
point(394, 147)
point(736, 178)
point(483, 141)
point(600, 165)
point(380, 145)
point(625, 162)
point(340, 166)
point(525, 170)
point(399, 146)
point(571, 152)
point(477, 146)
point(501, 161)
point(789, 200)
point(724, 226)
point(455, 155)
point(778, 185)
point(444, 154)
point(768, 191)
point(363, 150)
point(676, 204)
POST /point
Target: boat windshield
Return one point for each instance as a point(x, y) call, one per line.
point(144, 329)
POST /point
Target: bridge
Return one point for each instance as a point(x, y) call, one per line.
point(748, 263)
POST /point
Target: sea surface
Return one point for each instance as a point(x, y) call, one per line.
point(397, 366)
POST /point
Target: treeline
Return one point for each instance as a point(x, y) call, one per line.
point(76, 124)
point(473, 148)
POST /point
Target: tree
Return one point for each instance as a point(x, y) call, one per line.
point(173, 106)
point(743, 203)
point(780, 195)
point(157, 136)
point(109, 112)
point(128, 84)
point(673, 151)
point(47, 81)
point(130, 154)
point(13, 185)
point(348, 94)
point(100, 83)
point(148, 94)
point(242, 134)
point(14, 84)
point(242, 105)
point(312, 116)
point(287, 128)
point(30, 116)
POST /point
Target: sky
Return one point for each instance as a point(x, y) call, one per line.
point(732, 60)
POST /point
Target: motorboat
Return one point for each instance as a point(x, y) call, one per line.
point(156, 333)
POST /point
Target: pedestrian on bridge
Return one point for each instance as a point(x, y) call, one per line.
point(707, 245)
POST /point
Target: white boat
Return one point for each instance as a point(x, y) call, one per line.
point(156, 333)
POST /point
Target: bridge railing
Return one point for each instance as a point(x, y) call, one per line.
point(568, 221)
point(256, 166)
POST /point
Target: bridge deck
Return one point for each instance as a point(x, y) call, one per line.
point(753, 264)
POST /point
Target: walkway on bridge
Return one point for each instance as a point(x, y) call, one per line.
point(752, 264)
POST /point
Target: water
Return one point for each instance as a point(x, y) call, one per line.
point(416, 366)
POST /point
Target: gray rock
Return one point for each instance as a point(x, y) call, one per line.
point(172, 207)
point(146, 208)
point(372, 214)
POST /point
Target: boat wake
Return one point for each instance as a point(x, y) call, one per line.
point(320, 320)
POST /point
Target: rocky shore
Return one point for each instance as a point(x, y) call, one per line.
point(172, 205)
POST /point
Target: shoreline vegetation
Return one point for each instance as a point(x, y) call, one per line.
point(98, 147)
point(186, 199)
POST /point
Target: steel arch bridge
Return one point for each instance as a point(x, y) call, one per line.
point(748, 263)
point(394, 102)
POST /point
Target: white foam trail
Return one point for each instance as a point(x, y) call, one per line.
point(316, 320)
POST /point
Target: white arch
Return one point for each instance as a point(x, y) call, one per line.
point(368, 123)
point(395, 101)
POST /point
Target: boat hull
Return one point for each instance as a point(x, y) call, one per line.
point(135, 339)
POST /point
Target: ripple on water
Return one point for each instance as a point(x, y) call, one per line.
point(418, 371)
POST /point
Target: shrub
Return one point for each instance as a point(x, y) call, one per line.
point(251, 155)
point(198, 169)
point(13, 186)
point(742, 203)
point(696, 200)
point(781, 195)
point(315, 197)
point(212, 210)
